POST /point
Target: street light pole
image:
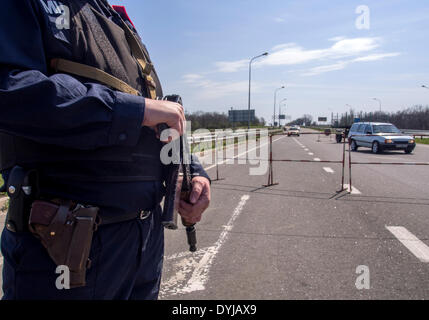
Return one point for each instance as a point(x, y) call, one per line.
point(280, 110)
point(379, 101)
point(250, 79)
point(275, 98)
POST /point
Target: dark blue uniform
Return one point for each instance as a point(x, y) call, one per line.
point(70, 115)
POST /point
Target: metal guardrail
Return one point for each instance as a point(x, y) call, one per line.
point(213, 137)
point(416, 133)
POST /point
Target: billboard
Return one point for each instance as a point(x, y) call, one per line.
point(241, 115)
point(323, 119)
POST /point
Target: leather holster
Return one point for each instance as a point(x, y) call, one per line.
point(66, 231)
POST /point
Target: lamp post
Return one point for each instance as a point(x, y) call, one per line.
point(379, 101)
point(280, 110)
point(275, 98)
point(250, 78)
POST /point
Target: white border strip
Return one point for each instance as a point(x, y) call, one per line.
point(411, 242)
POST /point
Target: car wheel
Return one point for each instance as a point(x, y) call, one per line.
point(353, 146)
point(376, 147)
point(409, 150)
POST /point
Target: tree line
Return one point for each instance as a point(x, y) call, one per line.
point(305, 120)
point(416, 117)
point(217, 120)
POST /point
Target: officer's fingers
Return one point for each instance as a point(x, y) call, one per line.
point(185, 209)
point(184, 126)
point(191, 213)
point(177, 125)
point(197, 189)
point(202, 204)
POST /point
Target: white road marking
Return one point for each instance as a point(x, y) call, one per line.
point(199, 270)
point(311, 154)
point(328, 170)
point(185, 254)
point(317, 159)
point(411, 242)
point(396, 159)
point(200, 275)
point(306, 149)
point(294, 139)
point(354, 190)
point(239, 155)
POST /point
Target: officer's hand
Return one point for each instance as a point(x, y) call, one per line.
point(200, 200)
point(162, 111)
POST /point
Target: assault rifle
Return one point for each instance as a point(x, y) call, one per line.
point(179, 185)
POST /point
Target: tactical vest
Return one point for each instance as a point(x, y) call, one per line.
point(104, 47)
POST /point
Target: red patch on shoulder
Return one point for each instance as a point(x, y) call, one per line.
point(123, 12)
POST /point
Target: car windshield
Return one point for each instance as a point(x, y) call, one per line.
point(294, 128)
point(386, 129)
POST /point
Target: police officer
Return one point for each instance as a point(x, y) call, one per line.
point(78, 103)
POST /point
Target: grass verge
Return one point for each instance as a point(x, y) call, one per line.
point(422, 141)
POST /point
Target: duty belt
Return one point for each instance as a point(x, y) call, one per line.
point(12, 225)
point(23, 190)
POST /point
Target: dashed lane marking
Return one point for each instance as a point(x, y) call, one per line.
point(317, 159)
point(328, 170)
point(311, 154)
point(411, 242)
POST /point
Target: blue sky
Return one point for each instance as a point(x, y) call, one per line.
point(201, 51)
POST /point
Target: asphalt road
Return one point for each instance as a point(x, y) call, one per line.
point(301, 239)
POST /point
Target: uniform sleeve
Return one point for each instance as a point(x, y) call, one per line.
point(197, 169)
point(58, 109)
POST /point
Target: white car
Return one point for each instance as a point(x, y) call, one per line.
point(379, 137)
point(293, 131)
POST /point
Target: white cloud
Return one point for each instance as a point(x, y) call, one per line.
point(192, 78)
point(209, 89)
point(292, 54)
point(327, 68)
point(233, 66)
point(375, 57)
point(349, 47)
point(335, 39)
point(342, 64)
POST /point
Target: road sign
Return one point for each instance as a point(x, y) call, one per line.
point(323, 119)
point(282, 117)
point(241, 115)
point(357, 120)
